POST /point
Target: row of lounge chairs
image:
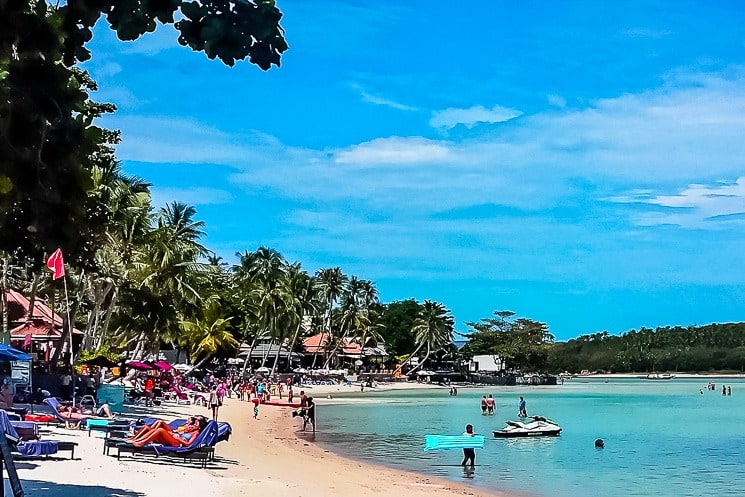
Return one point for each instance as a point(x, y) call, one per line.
point(24, 438)
point(117, 431)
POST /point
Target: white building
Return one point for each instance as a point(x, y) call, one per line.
point(487, 363)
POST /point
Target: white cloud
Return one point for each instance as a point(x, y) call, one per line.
point(695, 206)
point(451, 117)
point(394, 150)
point(687, 132)
point(378, 100)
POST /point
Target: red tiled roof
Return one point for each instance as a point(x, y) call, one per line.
point(316, 343)
point(41, 310)
point(38, 330)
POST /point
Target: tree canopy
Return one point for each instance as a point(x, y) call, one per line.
point(49, 143)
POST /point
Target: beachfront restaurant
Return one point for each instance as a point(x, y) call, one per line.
point(351, 354)
point(38, 331)
point(263, 354)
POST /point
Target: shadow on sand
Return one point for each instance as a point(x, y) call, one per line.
point(36, 487)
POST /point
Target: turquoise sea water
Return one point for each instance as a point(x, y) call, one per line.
point(662, 437)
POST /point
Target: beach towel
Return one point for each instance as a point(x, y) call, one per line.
point(436, 442)
point(7, 428)
point(37, 448)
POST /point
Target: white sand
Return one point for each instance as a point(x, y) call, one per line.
point(264, 457)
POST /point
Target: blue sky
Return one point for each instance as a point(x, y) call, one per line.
point(581, 163)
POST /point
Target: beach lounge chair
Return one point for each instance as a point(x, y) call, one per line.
point(69, 422)
point(27, 444)
point(201, 449)
point(224, 430)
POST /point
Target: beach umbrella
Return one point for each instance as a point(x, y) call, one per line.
point(100, 361)
point(263, 369)
point(300, 370)
point(140, 366)
point(163, 365)
point(8, 353)
point(424, 373)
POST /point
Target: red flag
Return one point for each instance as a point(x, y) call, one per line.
point(27, 341)
point(56, 264)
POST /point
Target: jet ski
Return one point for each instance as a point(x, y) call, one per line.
point(538, 427)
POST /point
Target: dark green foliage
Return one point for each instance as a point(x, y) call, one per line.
point(521, 343)
point(714, 347)
point(48, 140)
point(397, 321)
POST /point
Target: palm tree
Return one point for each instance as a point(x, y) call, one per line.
point(433, 329)
point(331, 283)
point(305, 302)
point(263, 275)
point(208, 335)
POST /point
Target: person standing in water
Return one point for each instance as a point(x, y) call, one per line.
point(490, 404)
point(522, 412)
point(469, 454)
point(483, 404)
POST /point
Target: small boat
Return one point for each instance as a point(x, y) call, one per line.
point(659, 376)
point(539, 427)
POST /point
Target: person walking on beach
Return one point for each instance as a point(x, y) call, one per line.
point(214, 401)
point(469, 454)
point(522, 412)
point(483, 405)
point(290, 394)
point(309, 414)
point(303, 399)
point(490, 404)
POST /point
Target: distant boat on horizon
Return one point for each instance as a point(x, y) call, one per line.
point(658, 376)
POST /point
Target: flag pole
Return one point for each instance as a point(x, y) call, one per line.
point(69, 331)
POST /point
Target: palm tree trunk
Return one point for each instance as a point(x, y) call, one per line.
point(336, 347)
point(32, 296)
point(320, 340)
point(105, 328)
point(266, 353)
point(248, 356)
point(421, 363)
point(196, 366)
point(276, 359)
point(4, 303)
point(292, 344)
point(408, 359)
point(68, 324)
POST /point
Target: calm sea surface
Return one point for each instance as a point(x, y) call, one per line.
point(662, 437)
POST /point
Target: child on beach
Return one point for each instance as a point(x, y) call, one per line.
point(256, 410)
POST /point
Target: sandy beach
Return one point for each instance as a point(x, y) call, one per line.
point(263, 457)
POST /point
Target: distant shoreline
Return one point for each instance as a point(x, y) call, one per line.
point(675, 375)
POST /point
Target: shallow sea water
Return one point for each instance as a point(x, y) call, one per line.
point(662, 437)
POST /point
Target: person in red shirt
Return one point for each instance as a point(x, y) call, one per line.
point(149, 385)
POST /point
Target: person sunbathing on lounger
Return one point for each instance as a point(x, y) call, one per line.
point(160, 432)
point(103, 412)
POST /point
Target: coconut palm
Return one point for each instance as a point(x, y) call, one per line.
point(263, 275)
point(433, 329)
point(208, 335)
point(331, 283)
